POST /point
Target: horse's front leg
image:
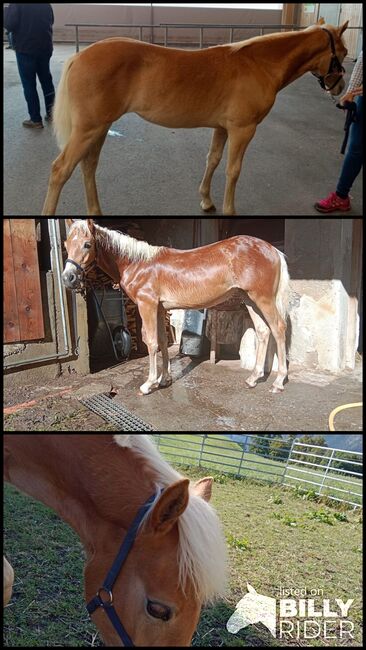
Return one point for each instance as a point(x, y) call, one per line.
point(8, 581)
point(239, 138)
point(149, 315)
point(166, 378)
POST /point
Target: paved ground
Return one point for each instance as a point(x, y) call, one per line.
point(202, 398)
point(145, 170)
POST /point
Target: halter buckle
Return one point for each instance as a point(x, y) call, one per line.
point(105, 603)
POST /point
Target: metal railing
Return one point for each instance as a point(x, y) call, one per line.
point(334, 473)
point(231, 27)
point(201, 26)
point(124, 25)
point(330, 464)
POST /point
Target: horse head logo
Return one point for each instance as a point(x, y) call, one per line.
point(253, 608)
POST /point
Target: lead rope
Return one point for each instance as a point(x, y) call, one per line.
point(351, 117)
point(75, 324)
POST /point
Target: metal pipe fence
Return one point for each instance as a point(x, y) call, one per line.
point(166, 26)
point(260, 28)
point(327, 472)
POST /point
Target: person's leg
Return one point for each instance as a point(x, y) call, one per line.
point(354, 157)
point(45, 79)
point(27, 72)
point(339, 200)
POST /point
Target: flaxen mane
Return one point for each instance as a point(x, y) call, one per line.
point(121, 244)
point(202, 552)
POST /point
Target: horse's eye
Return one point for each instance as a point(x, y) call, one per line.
point(87, 245)
point(157, 610)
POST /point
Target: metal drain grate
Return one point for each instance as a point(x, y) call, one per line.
point(115, 413)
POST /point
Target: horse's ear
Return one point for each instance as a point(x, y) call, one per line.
point(91, 226)
point(321, 21)
point(343, 28)
point(69, 222)
point(251, 589)
point(203, 488)
point(171, 505)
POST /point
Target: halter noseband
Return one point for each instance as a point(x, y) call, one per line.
point(334, 66)
point(80, 268)
point(107, 589)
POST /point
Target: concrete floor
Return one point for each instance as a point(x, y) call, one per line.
point(202, 397)
point(145, 170)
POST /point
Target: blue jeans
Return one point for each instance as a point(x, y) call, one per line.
point(30, 67)
point(354, 157)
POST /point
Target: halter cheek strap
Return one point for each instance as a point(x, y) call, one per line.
point(107, 588)
point(334, 66)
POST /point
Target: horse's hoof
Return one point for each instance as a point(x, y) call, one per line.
point(250, 386)
point(208, 208)
point(276, 391)
point(165, 383)
point(145, 390)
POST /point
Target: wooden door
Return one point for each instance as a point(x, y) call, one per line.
point(23, 313)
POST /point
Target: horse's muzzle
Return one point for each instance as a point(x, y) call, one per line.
point(71, 279)
point(338, 89)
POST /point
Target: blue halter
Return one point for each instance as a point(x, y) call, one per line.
point(107, 588)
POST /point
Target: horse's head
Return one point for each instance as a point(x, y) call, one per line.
point(329, 70)
point(161, 586)
point(81, 251)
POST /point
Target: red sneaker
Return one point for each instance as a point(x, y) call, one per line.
point(332, 203)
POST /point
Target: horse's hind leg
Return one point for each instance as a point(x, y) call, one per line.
point(278, 328)
point(263, 333)
point(218, 142)
point(89, 166)
point(8, 581)
point(62, 168)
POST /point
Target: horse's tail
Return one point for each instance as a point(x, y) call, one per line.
point(283, 291)
point(62, 109)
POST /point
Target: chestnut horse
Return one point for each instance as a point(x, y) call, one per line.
point(97, 483)
point(229, 88)
point(158, 278)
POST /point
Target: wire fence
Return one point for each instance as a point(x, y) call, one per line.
point(327, 472)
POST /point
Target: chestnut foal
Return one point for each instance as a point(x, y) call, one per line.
point(229, 88)
point(158, 278)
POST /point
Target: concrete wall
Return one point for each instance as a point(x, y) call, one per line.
point(324, 315)
point(135, 15)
